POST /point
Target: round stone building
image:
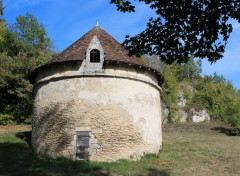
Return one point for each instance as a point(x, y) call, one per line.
point(95, 102)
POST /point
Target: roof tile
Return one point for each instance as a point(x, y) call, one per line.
point(112, 49)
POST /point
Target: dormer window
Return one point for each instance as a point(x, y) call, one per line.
point(94, 56)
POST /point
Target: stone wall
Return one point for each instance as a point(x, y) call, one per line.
point(119, 108)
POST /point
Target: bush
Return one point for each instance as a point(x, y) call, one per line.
point(170, 94)
point(6, 119)
point(235, 123)
point(213, 93)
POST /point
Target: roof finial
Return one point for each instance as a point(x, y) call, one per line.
point(97, 23)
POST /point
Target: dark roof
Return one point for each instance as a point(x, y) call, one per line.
point(113, 51)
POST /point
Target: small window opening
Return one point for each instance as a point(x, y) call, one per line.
point(95, 56)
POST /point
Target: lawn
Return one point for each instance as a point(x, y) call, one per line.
point(188, 149)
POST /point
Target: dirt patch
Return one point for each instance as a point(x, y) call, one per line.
point(15, 128)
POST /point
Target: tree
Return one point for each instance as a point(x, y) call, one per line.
point(3, 27)
point(217, 79)
point(190, 70)
point(15, 89)
point(27, 35)
point(24, 46)
point(153, 61)
point(183, 28)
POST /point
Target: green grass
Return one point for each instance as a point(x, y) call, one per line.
point(188, 149)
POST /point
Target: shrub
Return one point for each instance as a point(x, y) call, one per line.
point(6, 119)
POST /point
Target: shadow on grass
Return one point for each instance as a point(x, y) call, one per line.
point(17, 159)
point(226, 130)
point(26, 136)
point(156, 172)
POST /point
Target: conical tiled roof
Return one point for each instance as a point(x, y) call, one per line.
point(113, 52)
point(112, 49)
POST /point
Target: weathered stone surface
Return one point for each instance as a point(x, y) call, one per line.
point(181, 100)
point(188, 114)
point(122, 115)
point(83, 129)
point(199, 115)
point(183, 116)
point(96, 130)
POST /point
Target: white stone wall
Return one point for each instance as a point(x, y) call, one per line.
point(120, 107)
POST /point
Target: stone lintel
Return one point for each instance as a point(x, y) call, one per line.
point(83, 129)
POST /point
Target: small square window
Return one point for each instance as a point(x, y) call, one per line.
point(94, 56)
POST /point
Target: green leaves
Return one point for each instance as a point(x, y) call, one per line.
point(184, 28)
point(220, 99)
point(213, 93)
point(23, 47)
point(30, 34)
point(123, 5)
point(6, 119)
point(15, 89)
point(190, 70)
point(171, 89)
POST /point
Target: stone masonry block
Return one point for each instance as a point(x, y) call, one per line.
point(97, 130)
point(83, 129)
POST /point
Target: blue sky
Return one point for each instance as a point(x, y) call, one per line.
point(68, 20)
